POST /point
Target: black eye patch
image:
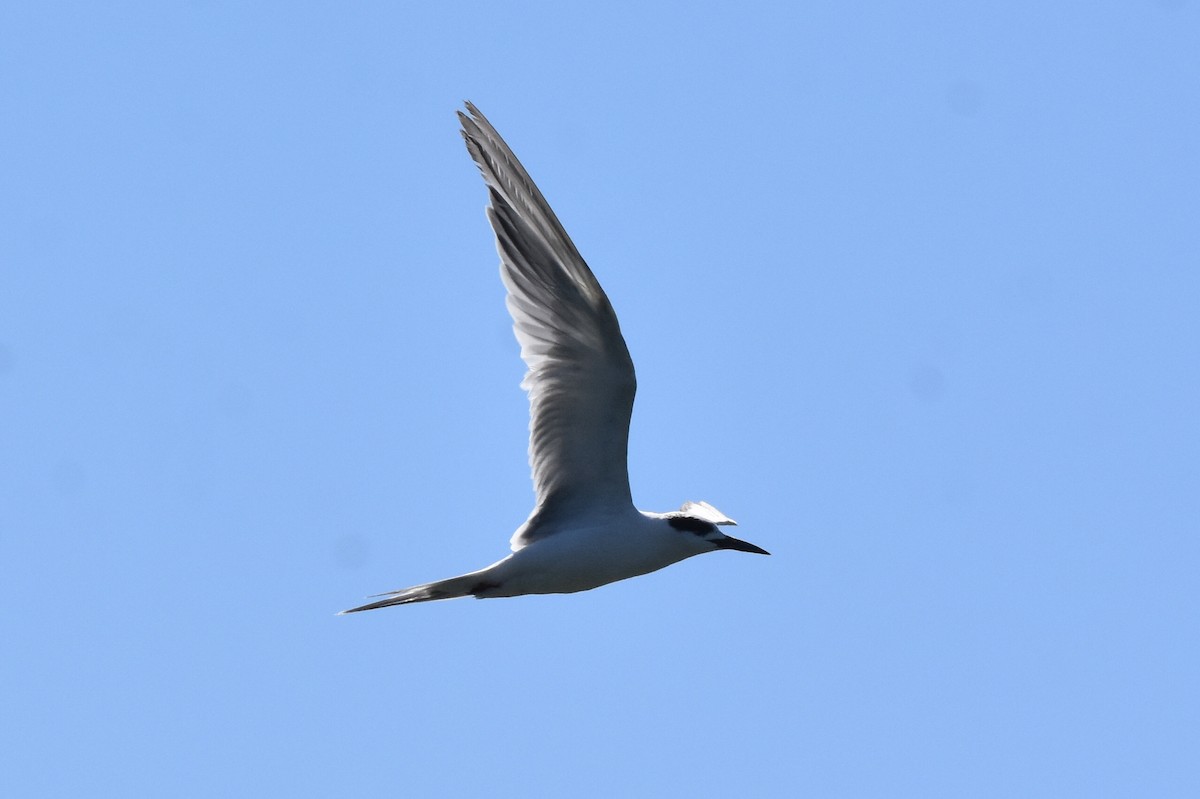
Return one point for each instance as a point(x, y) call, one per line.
point(689, 524)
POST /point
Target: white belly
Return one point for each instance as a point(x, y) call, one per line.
point(579, 560)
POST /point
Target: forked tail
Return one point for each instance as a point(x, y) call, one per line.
point(453, 588)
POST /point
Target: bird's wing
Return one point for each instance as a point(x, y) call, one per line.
point(580, 380)
point(702, 510)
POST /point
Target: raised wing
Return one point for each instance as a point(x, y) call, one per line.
point(702, 510)
point(580, 380)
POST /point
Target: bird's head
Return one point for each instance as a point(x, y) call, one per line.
point(701, 520)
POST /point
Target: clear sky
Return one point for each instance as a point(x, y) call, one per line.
point(913, 294)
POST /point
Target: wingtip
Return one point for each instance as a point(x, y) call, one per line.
point(472, 116)
point(469, 125)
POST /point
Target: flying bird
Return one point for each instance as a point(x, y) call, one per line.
point(584, 530)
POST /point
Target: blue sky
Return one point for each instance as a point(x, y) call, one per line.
point(912, 293)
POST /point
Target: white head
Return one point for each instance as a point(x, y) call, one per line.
point(701, 520)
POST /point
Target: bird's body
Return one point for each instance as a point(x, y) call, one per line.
point(584, 531)
point(598, 551)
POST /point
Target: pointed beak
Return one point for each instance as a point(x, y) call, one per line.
point(729, 542)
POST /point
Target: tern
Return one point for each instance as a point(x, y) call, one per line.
point(584, 530)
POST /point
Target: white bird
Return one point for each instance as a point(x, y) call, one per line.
point(584, 531)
